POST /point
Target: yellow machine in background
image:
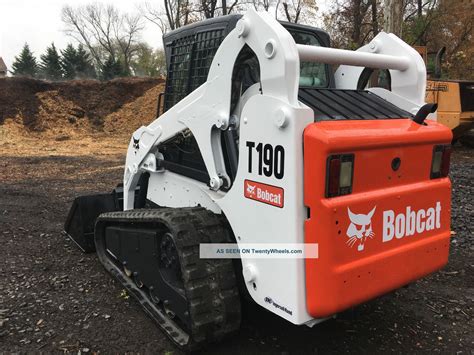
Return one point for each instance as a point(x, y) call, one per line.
point(455, 98)
point(455, 101)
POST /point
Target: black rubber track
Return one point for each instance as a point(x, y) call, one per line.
point(210, 284)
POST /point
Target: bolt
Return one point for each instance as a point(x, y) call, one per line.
point(243, 28)
point(281, 118)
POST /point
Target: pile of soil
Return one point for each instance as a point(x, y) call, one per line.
point(79, 106)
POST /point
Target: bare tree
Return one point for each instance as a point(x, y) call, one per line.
point(126, 35)
point(155, 15)
point(208, 8)
point(296, 10)
point(296, 6)
point(257, 5)
point(169, 14)
point(104, 31)
point(172, 14)
point(262, 4)
point(375, 22)
point(224, 7)
point(393, 16)
point(211, 8)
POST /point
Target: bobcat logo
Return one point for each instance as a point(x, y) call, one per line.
point(251, 189)
point(136, 143)
point(360, 228)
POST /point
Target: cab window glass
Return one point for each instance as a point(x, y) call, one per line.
point(374, 78)
point(311, 74)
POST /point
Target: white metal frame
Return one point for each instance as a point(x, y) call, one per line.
point(274, 116)
point(407, 71)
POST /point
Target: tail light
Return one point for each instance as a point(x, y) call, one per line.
point(441, 161)
point(339, 173)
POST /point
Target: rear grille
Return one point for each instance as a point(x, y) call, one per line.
point(336, 104)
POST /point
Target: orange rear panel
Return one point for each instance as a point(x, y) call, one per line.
point(395, 225)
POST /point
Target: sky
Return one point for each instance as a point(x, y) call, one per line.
point(38, 22)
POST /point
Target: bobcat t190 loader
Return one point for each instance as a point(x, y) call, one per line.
point(250, 105)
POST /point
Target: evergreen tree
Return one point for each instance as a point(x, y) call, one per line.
point(112, 69)
point(25, 64)
point(69, 62)
point(84, 67)
point(50, 66)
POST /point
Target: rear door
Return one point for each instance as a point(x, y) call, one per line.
point(379, 207)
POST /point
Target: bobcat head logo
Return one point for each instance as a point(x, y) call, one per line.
point(250, 189)
point(136, 143)
point(360, 228)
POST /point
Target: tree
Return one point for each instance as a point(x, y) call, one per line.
point(149, 62)
point(259, 5)
point(173, 14)
point(297, 10)
point(111, 69)
point(451, 25)
point(68, 62)
point(25, 64)
point(352, 23)
point(84, 67)
point(104, 31)
point(393, 16)
point(50, 65)
point(211, 8)
point(177, 12)
point(432, 23)
point(76, 63)
point(418, 20)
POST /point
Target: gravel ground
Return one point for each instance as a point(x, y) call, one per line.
point(53, 298)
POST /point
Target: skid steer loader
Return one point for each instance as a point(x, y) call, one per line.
point(261, 141)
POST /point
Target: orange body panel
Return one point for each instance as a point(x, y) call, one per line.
point(347, 272)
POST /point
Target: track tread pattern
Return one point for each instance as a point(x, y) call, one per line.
point(210, 284)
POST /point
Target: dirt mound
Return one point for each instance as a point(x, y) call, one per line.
point(79, 106)
point(134, 114)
